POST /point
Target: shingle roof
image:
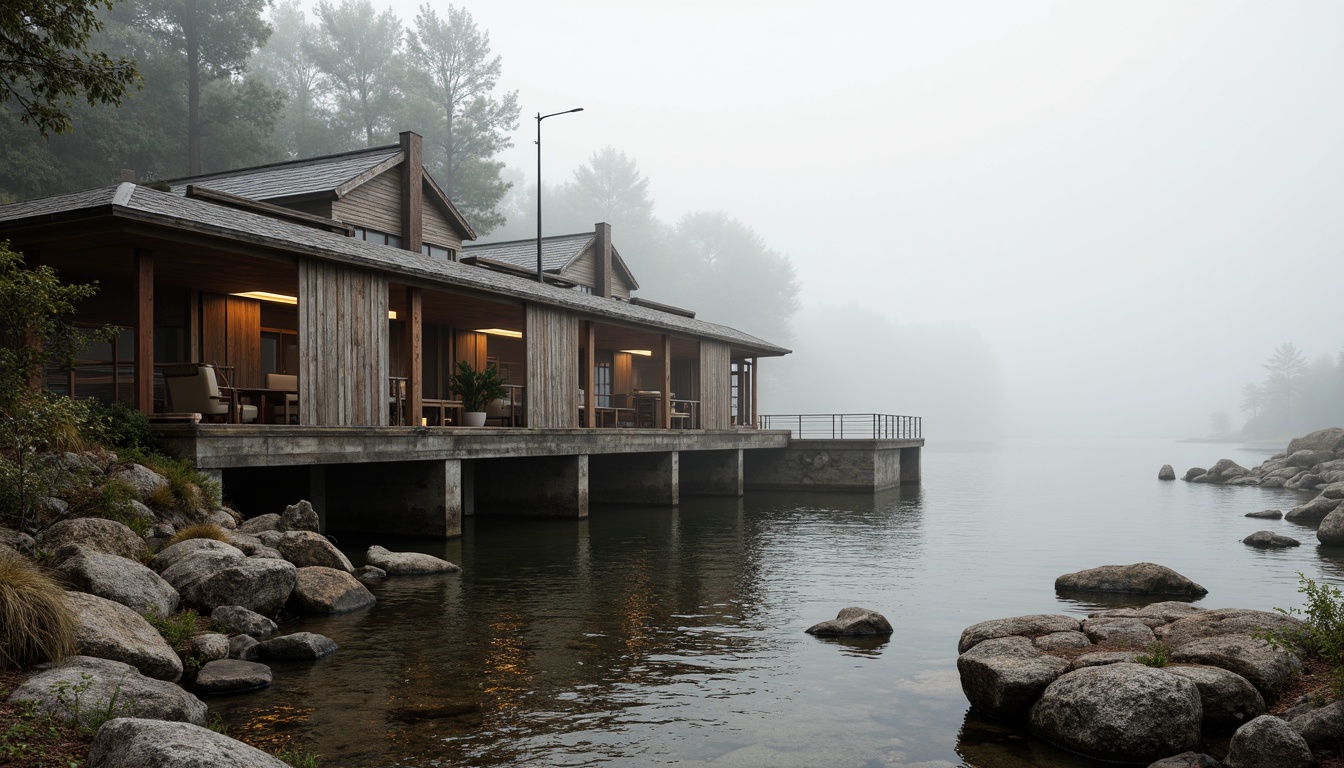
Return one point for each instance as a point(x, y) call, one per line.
point(294, 178)
point(143, 204)
point(556, 251)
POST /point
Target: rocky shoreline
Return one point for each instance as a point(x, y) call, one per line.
point(202, 575)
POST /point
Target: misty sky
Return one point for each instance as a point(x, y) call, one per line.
point(1132, 203)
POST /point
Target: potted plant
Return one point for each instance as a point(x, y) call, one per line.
point(476, 389)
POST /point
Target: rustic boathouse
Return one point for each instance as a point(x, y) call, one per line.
point(323, 304)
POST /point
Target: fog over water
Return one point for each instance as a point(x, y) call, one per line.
point(1088, 218)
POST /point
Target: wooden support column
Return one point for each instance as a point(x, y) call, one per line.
point(665, 405)
point(415, 341)
point(755, 419)
point(144, 331)
point(589, 391)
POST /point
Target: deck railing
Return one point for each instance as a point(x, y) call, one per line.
point(845, 426)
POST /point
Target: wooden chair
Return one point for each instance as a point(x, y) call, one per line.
point(193, 388)
point(499, 410)
point(289, 411)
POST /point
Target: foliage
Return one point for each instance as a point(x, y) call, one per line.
point(91, 715)
point(360, 52)
point(34, 739)
point(1295, 396)
point(297, 757)
point(199, 531)
point(46, 61)
point(476, 388)
point(31, 428)
point(1322, 629)
point(305, 125)
point(119, 427)
point(1156, 654)
point(177, 629)
point(111, 500)
point(35, 624)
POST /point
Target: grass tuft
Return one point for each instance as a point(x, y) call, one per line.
point(35, 624)
point(199, 531)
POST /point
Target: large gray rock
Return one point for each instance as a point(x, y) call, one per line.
point(144, 480)
point(1224, 470)
point(1126, 712)
point(244, 647)
point(1316, 509)
point(407, 563)
point(210, 578)
point(326, 591)
point(1322, 727)
point(1032, 625)
point(116, 578)
point(1270, 540)
point(107, 685)
point(1266, 514)
point(298, 646)
point(232, 676)
point(255, 525)
point(1188, 760)
point(1194, 473)
point(171, 556)
point(1119, 631)
point(110, 630)
point(299, 517)
point(16, 540)
point(134, 743)
point(1164, 612)
point(223, 519)
point(1102, 658)
point(1059, 641)
point(305, 548)
point(1270, 482)
point(1267, 742)
point(1223, 621)
point(1331, 530)
point(1268, 669)
point(853, 621)
point(1333, 491)
point(1331, 439)
point(1166, 473)
point(1139, 579)
point(1229, 699)
point(209, 646)
point(107, 536)
point(1004, 675)
point(1304, 482)
point(1307, 458)
point(242, 621)
point(245, 542)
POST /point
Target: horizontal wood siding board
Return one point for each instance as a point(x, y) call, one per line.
point(437, 229)
point(583, 270)
point(376, 204)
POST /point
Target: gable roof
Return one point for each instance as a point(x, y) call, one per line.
point(326, 177)
point(557, 253)
point(133, 203)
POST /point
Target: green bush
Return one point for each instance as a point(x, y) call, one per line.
point(1322, 629)
point(120, 428)
point(1156, 654)
point(35, 624)
point(177, 629)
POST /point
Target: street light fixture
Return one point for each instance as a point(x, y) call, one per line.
point(541, 117)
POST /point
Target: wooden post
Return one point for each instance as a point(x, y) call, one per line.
point(415, 338)
point(665, 406)
point(755, 419)
point(589, 391)
point(412, 194)
point(144, 331)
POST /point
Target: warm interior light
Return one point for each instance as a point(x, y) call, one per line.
point(644, 352)
point(391, 314)
point(501, 332)
point(278, 298)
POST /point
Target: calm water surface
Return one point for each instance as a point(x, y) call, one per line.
point(675, 636)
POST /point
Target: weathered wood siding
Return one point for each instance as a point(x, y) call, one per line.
point(375, 204)
point(716, 381)
point(584, 270)
point(436, 228)
point(552, 338)
point(343, 346)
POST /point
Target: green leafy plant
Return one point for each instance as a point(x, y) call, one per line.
point(35, 623)
point(218, 725)
point(91, 715)
point(177, 629)
point(1321, 632)
point(477, 388)
point(121, 428)
point(1157, 654)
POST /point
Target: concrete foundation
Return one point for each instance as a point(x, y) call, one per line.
point(832, 465)
point(712, 473)
point(552, 486)
point(415, 498)
point(634, 478)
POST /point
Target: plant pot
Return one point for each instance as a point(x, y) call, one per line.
point(473, 419)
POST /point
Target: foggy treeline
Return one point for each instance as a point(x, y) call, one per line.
point(1295, 396)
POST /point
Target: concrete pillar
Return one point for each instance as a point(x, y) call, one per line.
point(910, 465)
point(635, 478)
point(414, 498)
point(552, 486)
point(712, 473)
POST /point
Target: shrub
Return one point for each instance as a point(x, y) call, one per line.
point(121, 428)
point(187, 488)
point(177, 629)
point(1156, 654)
point(35, 624)
point(111, 500)
point(1322, 629)
point(199, 531)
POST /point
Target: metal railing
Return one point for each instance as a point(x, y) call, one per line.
point(845, 426)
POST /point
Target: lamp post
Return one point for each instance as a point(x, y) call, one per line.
point(541, 117)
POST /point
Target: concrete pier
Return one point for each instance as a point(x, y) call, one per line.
point(834, 465)
point(634, 478)
point(712, 473)
point(549, 486)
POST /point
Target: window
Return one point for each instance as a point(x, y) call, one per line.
point(583, 289)
point(374, 236)
point(602, 385)
point(438, 252)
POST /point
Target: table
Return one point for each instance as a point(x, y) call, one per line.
point(261, 394)
point(444, 407)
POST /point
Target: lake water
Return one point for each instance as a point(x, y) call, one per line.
point(655, 636)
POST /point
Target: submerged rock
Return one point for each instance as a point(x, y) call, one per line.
point(1139, 578)
point(1266, 514)
point(407, 563)
point(232, 676)
point(853, 621)
point(1270, 540)
point(298, 646)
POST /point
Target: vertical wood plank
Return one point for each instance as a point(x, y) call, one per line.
point(665, 405)
point(754, 390)
point(415, 355)
point(590, 393)
point(144, 331)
